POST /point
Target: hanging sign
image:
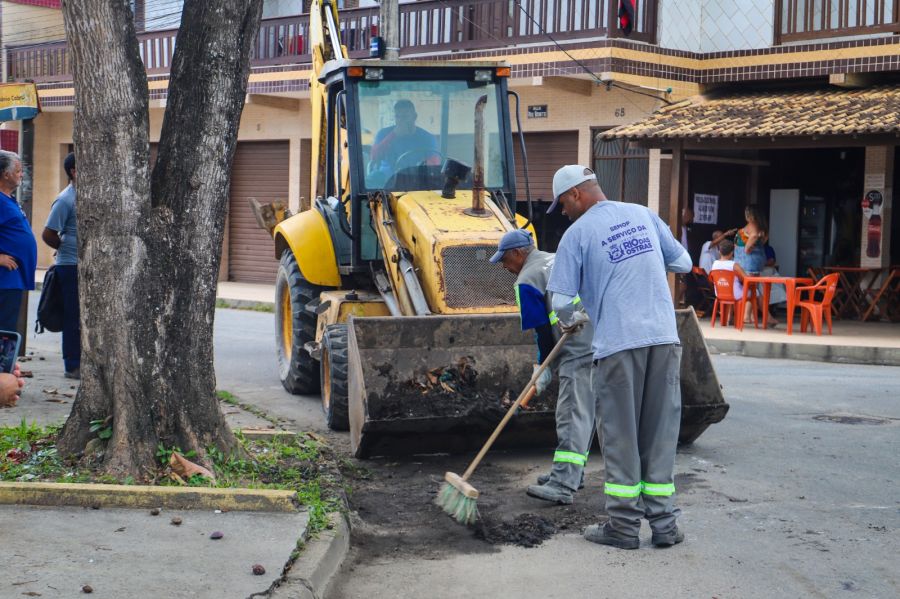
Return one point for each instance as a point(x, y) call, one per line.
point(706, 209)
point(18, 101)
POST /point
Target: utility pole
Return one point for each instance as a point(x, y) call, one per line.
point(24, 196)
point(389, 26)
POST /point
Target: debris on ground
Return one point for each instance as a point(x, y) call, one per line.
point(525, 530)
point(258, 569)
point(183, 468)
point(176, 521)
point(216, 535)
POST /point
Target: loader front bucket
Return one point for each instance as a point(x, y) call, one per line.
point(440, 384)
point(430, 384)
point(702, 400)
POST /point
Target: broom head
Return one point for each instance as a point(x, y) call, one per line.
point(458, 499)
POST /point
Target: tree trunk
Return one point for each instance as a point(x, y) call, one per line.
point(150, 244)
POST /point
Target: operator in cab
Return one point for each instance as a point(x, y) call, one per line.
point(404, 144)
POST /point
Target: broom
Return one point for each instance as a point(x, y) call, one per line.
point(457, 497)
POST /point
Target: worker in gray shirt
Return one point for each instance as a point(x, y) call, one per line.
point(61, 234)
point(614, 258)
point(575, 403)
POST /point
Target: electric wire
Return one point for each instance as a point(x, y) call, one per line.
point(581, 64)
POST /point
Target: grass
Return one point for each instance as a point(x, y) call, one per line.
point(255, 307)
point(299, 463)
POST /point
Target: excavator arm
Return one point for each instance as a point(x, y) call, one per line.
point(325, 42)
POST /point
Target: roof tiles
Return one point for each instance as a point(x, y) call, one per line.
point(827, 111)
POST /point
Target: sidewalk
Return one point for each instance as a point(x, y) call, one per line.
point(128, 552)
point(852, 342)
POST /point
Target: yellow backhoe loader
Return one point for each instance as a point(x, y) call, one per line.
point(386, 302)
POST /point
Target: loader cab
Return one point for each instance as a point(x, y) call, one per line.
point(394, 125)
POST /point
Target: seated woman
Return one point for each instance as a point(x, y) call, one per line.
point(726, 262)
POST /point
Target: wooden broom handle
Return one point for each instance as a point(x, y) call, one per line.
point(526, 392)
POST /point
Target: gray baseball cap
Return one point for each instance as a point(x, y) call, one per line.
point(568, 177)
point(520, 238)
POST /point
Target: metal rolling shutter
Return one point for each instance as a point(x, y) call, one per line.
point(546, 153)
point(260, 170)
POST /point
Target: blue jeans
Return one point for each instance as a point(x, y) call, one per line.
point(10, 304)
point(71, 333)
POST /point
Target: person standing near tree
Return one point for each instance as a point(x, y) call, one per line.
point(18, 248)
point(574, 403)
point(61, 233)
point(614, 258)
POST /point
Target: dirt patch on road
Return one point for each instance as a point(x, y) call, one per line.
point(395, 503)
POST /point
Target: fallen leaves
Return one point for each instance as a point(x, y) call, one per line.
point(183, 468)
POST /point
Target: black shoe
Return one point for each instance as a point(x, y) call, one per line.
point(73, 374)
point(543, 479)
point(606, 535)
point(553, 492)
point(668, 539)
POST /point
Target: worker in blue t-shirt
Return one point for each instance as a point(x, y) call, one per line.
point(404, 144)
point(60, 233)
point(18, 248)
point(615, 257)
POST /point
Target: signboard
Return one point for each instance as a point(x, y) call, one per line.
point(18, 101)
point(537, 111)
point(706, 209)
point(871, 206)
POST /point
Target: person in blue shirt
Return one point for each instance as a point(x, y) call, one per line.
point(575, 402)
point(404, 144)
point(615, 257)
point(61, 234)
point(18, 248)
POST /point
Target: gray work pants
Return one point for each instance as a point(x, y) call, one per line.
point(574, 422)
point(638, 393)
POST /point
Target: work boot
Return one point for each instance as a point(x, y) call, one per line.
point(543, 479)
point(607, 535)
point(667, 539)
point(73, 374)
point(552, 491)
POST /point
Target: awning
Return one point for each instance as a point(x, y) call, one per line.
point(799, 113)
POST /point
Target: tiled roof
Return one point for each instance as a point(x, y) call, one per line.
point(826, 111)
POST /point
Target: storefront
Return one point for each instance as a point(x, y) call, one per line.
point(818, 162)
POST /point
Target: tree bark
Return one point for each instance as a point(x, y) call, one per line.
point(150, 243)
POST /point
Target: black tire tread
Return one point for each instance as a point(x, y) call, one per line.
point(334, 341)
point(302, 377)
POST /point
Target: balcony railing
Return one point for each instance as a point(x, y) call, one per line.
point(426, 27)
point(798, 20)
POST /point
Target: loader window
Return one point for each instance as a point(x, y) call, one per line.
point(409, 128)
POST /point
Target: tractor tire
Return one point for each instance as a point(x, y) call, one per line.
point(333, 375)
point(295, 325)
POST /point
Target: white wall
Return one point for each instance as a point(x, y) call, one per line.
point(716, 25)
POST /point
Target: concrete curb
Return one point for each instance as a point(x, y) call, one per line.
point(313, 572)
point(141, 496)
point(842, 354)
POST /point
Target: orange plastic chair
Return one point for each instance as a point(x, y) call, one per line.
point(726, 304)
point(810, 308)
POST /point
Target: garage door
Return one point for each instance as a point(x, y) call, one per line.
point(260, 170)
point(546, 153)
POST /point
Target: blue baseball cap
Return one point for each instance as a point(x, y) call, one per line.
point(520, 238)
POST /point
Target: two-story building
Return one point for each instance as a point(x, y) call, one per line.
point(790, 104)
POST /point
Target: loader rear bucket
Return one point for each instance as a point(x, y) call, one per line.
point(440, 384)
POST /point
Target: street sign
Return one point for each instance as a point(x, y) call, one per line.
point(18, 101)
point(537, 111)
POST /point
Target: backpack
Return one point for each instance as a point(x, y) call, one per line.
point(50, 306)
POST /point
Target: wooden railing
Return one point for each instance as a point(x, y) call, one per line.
point(426, 27)
point(798, 20)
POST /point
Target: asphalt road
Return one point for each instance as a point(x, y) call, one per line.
point(795, 494)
